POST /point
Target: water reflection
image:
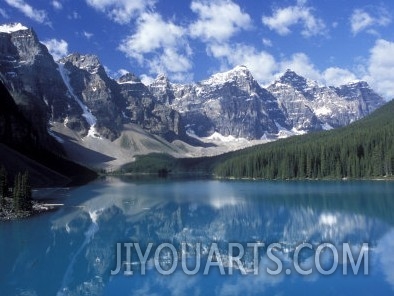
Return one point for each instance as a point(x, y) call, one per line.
point(79, 249)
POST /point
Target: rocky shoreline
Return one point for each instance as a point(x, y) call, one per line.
point(7, 212)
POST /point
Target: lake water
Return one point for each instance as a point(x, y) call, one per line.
point(73, 250)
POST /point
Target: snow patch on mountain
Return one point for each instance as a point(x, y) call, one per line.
point(90, 118)
point(226, 139)
point(285, 133)
point(10, 28)
point(222, 78)
point(326, 127)
point(228, 109)
point(129, 82)
point(323, 111)
point(217, 137)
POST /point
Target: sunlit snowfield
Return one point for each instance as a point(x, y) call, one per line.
point(73, 250)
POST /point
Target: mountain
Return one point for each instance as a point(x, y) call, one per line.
point(230, 103)
point(234, 104)
point(110, 104)
point(151, 114)
point(34, 80)
point(308, 106)
point(97, 95)
point(364, 149)
point(75, 91)
point(23, 146)
point(75, 102)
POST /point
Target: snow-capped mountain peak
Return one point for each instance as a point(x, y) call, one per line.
point(13, 27)
point(89, 62)
point(129, 78)
point(297, 81)
point(291, 77)
point(240, 72)
point(231, 103)
point(161, 81)
point(309, 106)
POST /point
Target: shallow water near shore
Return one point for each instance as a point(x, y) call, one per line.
point(73, 250)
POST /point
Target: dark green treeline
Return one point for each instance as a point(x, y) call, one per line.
point(364, 149)
point(21, 192)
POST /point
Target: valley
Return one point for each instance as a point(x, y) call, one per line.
point(103, 123)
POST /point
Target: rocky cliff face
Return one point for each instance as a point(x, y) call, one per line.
point(309, 106)
point(78, 93)
point(108, 104)
point(24, 146)
point(150, 112)
point(33, 78)
point(230, 103)
point(233, 103)
point(97, 94)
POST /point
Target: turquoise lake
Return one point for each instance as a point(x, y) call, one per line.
point(72, 251)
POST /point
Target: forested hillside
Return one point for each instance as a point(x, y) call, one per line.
point(364, 149)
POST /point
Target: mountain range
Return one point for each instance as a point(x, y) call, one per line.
point(104, 122)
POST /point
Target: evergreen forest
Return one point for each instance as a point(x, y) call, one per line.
point(364, 149)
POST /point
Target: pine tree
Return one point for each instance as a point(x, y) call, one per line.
point(377, 161)
point(16, 193)
point(22, 192)
point(364, 149)
point(3, 185)
point(26, 191)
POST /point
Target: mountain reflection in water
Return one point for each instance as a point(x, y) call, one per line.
point(73, 250)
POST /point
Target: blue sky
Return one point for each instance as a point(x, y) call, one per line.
point(331, 41)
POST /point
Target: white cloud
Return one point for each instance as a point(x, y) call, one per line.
point(87, 35)
point(74, 16)
point(376, 70)
point(121, 11)
point(145, 79)
point(261, 64)
point(218, 20)
point(122, 72)
point(115, 74)
point(301, 64)
point(283, 18)
point(3, 13)
point(57, 48)
point(160, 45)
point(267, 42)
point(337, 76)
point(381, 68)
point(172, 61)
point(37, 15)
point(362, 20)
point(152, 33)
point(57, 5)
point(265, 69)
